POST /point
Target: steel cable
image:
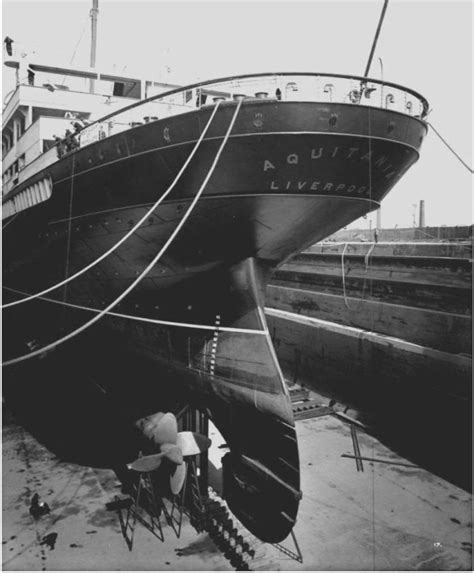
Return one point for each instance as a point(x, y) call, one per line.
point(129, 233)
point(450, 148)
point(88, 324)
point(146, 320)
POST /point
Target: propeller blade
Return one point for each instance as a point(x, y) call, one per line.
point(166, 430)
point(192, 443)
point(177, 479)
point(148, 424)
point(172, 452)
point(146, 463)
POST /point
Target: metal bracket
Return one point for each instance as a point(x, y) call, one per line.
point(297, 556)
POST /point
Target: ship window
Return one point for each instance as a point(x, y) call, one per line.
point(42, 191)
point(333, 120)
point(21, 126)
point(391, 127)
point(119, 88)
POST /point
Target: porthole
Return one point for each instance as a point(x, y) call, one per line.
point(333, 119)
point(391, 127)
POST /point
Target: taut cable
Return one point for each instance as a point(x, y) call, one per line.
point(129, 233)
point(88, 324)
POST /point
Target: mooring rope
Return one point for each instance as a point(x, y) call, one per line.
point(88, 324)
point(450, 148)
point(369, 252)
point(130, 232)
point(151, 320)
point(346, 302)
point(71, 198)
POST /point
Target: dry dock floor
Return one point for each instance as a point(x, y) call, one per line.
point(386, 516)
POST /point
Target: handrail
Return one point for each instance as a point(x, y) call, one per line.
point(360, 79)
point(360, 87)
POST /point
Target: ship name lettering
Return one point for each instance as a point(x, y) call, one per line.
point(299, 185)
point(352, 150)
point(319, 152)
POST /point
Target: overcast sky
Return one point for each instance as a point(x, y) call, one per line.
point(425, 45)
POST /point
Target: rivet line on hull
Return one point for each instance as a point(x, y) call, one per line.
point(237, 135)
point(221, 196)
point(130, 232)
point(149, 266)
point(150, 320)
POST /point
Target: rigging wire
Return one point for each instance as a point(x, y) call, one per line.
point(76, 46)
point(151, 320)
point(130, 232)
point(369, 253)
point(343, 271)
point(374, 43)
point(450, 148)
point(71, 197)
point(88, 324)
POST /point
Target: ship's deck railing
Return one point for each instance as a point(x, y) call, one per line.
point(313, 87)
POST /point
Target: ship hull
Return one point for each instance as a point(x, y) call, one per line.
point(290, 174)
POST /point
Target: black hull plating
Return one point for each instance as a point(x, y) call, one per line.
point(290, 174)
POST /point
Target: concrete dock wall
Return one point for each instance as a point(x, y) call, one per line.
point(323, 354)
point(417, 292)
point(436, 329)
point(456, 233)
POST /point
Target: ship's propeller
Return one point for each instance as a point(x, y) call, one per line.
point(162, 430)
